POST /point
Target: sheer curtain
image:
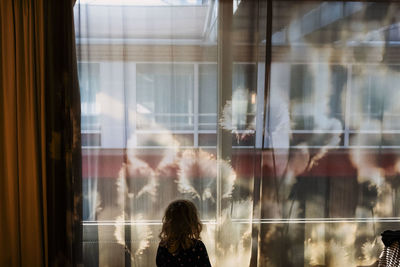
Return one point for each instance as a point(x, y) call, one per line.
point(276, 118)
point(150, 106)
point(327, 197)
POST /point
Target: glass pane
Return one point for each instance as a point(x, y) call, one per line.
point(164, 95)
point(306, 92)
point(329, 185)
point(208, 88)
point(244, 88)
point(89, 88)
point(372, 88)
point(208, 140)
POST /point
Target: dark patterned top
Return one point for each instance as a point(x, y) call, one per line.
point(196, 256)
point(390, 256)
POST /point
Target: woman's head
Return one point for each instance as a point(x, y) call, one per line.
point(181, 225)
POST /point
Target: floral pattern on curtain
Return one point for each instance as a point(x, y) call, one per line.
point(63, 135)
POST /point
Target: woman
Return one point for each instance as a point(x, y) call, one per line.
point(180, 243)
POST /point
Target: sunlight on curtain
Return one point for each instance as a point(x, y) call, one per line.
point(172, 98)
point(331, 182)
point(149, 98)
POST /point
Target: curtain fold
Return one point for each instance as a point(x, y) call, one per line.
point(39, 111)
point(23, 177)
point(63, 162)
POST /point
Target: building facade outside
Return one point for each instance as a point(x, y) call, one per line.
point(174, 106)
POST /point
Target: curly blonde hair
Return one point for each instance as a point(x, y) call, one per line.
point(181, 226)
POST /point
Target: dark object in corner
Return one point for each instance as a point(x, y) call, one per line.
point(390, 256)
point(388, 237)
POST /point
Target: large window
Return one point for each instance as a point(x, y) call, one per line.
point(288, 144)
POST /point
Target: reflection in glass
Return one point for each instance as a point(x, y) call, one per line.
point(173, 107)
point(336, 184)
point(165, 96)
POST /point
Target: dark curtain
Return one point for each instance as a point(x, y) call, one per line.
point(40, 164)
